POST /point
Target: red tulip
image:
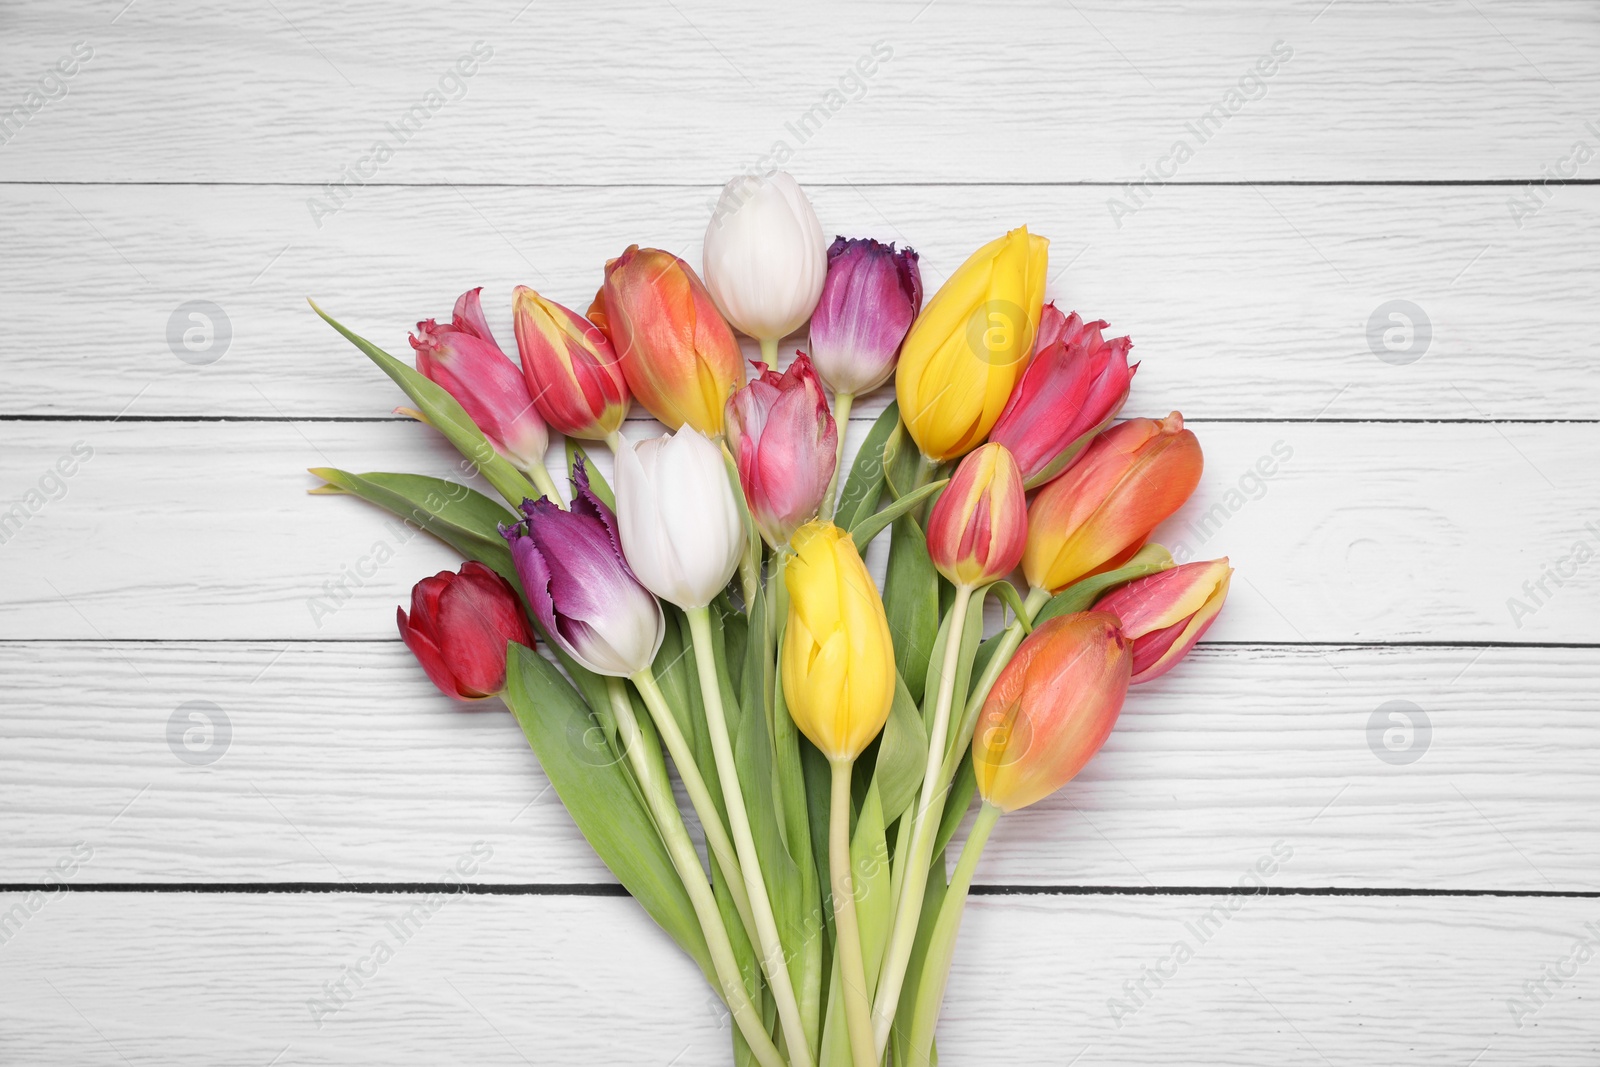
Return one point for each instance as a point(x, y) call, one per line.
point(785, 443)
point(1071, 391)
point(570, 367)
point(463, 358)
point(1167, 613)
point(1051, 708)
point(979, 526)
point(459, 627)
point(1103, 508)
point(678, 355)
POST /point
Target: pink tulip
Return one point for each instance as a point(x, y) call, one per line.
point(1071, 391)
point(463, 358)
point(785, 443)
point(1167, 613)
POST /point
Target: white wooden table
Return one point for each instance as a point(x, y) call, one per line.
point(1433, 884)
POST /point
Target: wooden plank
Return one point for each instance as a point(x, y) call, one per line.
point(206, 978)
point(1354, 532)
point(338, 762)
point(695, 91)
point(1242, 301)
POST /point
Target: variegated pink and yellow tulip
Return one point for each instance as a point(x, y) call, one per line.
point(1166, 614)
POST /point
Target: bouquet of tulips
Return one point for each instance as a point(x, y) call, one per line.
point(708, 613)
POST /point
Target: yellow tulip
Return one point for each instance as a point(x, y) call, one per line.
point(837, 660)
point(970, 345)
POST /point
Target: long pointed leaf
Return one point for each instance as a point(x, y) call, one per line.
point(872, 525)
point(602, 804)
point(444, 414)
point(863, 485)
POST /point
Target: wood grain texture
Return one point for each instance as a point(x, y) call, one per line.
point(339, 762)
point(696, 91)
point(207, 979)
point(1243, 302)
point(1353, 533)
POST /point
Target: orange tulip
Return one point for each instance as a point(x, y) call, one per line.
point(1051, 708)
point(678, 355)
point(977, 530)
point(1126, 482)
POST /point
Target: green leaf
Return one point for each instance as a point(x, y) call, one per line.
point(444, 414)
point(871, 525)
point(1008, 595)
point(932, 899)
point(599, 798)
point(461, 517)
point(902, 755)
point(956, 803)
point(1081, 596)
point(597, 481)
point(911, 601)
point(900, 461)
point(863, 485)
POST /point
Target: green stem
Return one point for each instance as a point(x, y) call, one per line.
point(652, 775)
point(769, 350)
point(1009, 641)
point(773, 959)
point(930, 811)
point(616, 442)
point(544, 483)
point(852, 972)
point(811, 977)
point(942, 945)
point(842, 403)
point(717, 842)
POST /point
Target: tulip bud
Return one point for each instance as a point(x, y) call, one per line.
point(869, 300)
point(678, 356)
point(979, 525)
point(970, 345)
point(1051, 709)
point(1166, 614)
point(785, 443)
point(765, 257)
point(680, 526)
point(1103, 508)
point(837, 661)
point(580, 587)
point(570, 367)
point(458, 629)
point(1071, 391)
point(464, 360)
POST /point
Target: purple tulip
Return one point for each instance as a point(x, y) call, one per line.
point(869, 299)
point(581, 589)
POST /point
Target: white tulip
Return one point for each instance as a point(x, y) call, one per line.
point(765, 257)
point(676, 514)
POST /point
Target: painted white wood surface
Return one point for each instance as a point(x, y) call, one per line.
point(692, 91)
point(176, 563)
point(339, 763)
point(1242, 301)
point(1374, 531)
point(228, 979)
